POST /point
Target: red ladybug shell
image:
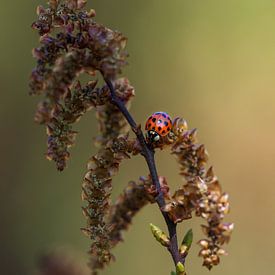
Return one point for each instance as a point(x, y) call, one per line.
point(160, 122)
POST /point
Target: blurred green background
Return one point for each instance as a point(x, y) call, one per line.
point(210, 61)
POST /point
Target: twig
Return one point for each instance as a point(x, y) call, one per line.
point(148, 153)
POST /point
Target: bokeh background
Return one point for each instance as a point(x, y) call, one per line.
point(210, 61)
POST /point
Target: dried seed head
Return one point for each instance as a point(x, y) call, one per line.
point(105, 222)
point(179, 126)
point(133, 198)
point(204, 244)
point(201, 193)
point(71, 43)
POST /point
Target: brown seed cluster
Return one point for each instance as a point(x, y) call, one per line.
point(111, 121)
point(134, 197)
point(97, 187)
point(71, 43)
point(201, 193)
point(115, 146)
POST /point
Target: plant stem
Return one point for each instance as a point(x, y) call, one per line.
point(149, 155)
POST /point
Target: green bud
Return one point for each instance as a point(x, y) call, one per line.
point(159, 235)
point(186, 242)
point(180, 268)
point(173, 273)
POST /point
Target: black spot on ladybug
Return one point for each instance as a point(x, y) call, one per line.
point(149, 125)
point(163, 132)
point(168, 129)
point(165, 123)
point(160, 121)
point(159, 128)
point(154, 128)
point(153, 119)
point(163, 115)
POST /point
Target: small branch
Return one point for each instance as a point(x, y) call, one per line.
point(149, 156)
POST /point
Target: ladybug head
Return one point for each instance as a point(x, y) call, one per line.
point(153, 136)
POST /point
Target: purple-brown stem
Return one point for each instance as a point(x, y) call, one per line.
point(149, 155)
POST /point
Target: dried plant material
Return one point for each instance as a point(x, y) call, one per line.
point(200, 194)
point(134, 197)
point(97, 187)
point(177, 207)
point(115, 146)
point(71, 43)
point(111, 120)
point(151, 188)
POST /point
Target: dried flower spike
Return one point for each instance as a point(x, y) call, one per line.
point(73, 43)
point(201, 193)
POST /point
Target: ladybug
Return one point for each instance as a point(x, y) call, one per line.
point(158, 125)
